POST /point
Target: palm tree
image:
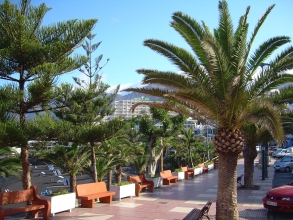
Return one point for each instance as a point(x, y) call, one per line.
point(221, 78)
point(71, 160)
point(120, 148)
point(105, 162)
point(189, 139)
point(140, 157)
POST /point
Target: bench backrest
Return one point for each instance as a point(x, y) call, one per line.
point(165, 173)
point(184, 168)
point(239, 178)
point(134, 179)
point(7, 198)
point(207, 206)
point(89, 188)
point(201, 165)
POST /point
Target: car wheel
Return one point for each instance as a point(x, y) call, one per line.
point(287, 169)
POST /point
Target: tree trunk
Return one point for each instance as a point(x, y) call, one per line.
point(154, 161)
point(109, 180)
point(26, 177)
point(190, 162)
point(118, 174)
point(72, 181)
point(94, 164)
point(249, 154)
point(227, 187)
point(162, 161)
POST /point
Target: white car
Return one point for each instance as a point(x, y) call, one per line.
point(276, 152)
point(286, 163)
point(281, 154)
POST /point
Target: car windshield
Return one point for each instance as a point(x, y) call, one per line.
point(286, 159)
point(290, 183)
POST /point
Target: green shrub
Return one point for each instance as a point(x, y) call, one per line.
point(155, 176)
point(122, 183)
point(196, 167)
point(58, 192)
point(178, 170)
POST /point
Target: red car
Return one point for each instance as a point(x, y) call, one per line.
point(280, 198)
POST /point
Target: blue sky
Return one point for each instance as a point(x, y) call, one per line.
point(123, 25)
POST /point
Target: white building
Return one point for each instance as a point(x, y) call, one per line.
point(123, 109)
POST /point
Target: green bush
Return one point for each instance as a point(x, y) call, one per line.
point(178, 170)
point(155, 176)
point(122, 183)
point(58, 192)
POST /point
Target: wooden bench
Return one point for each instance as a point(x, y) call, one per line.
point(167, 177)
point(197, 214)
point(24, 196)
point(239, 179)
point(187, 172)
point(141, 183)
point(90, 191)
point(204, 168)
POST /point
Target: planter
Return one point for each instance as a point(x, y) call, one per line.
point(180, 175)
point(61, 203)
point(123, 191)
point(158, 181)
point(197, 171)
point(211, 166)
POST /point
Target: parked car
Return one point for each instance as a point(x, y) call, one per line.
point(281, 154)
point(289, 150)
point(280, 198)
point(286, 163)
point(276, 152)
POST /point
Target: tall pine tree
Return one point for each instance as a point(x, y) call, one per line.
point(32, 57)
point(86, 104)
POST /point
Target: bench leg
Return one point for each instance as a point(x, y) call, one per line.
point(137, 189)
point(166, 182)
point(35, 213)
point(107, 199)
point(46, 215)
point(173, 181)
point(87, 203)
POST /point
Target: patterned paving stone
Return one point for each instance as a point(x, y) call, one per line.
point(181, 209)
point(207, 195)
point(127, 204)
point(92, 216)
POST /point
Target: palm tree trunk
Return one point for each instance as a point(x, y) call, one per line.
point(94, 165)
point(190, 162)
point(109, 180)
point(118, 174)
point(249, 154)
point(227, 187)
point(152, 156)
point(72, 181)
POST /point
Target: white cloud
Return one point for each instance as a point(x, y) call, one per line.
point(115, 20)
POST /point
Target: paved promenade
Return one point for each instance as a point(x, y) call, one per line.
point(175, 201)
